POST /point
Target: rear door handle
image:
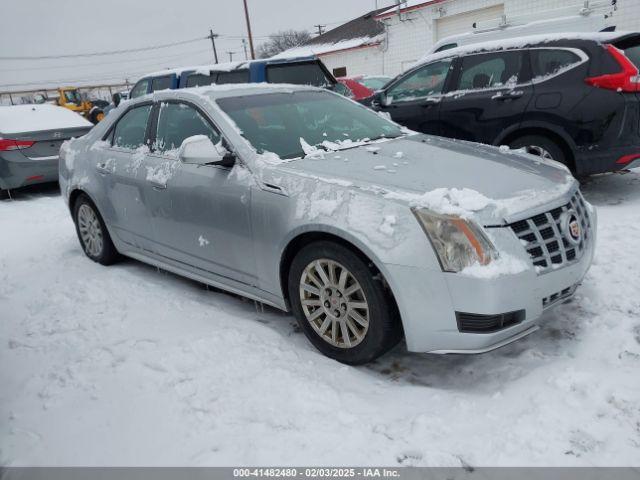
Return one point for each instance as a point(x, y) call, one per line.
point(159, 186)
point(510, 95)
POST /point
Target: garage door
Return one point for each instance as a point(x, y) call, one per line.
point(463, 22)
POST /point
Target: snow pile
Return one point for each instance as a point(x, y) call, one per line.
point(38, 118)
point(446, 201)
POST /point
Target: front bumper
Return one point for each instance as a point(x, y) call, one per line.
point(428, 305)
point(16, 170)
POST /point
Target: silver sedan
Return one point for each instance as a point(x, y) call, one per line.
point(306, 201)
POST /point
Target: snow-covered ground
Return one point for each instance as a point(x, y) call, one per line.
point(128, 365)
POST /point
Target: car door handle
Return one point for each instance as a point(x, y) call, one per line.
point(430, 102)
point(510, 95)
point(158, 186)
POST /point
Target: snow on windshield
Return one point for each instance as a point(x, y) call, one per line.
point(300, 123)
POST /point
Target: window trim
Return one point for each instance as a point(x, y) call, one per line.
point(153, 134)
point(108, 136)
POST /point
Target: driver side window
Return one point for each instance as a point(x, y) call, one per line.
point(426, 81)
point(177, 121)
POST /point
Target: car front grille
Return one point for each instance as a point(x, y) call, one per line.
point(546, 242)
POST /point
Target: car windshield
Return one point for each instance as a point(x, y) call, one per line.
point(374, 83)
point(288, 123)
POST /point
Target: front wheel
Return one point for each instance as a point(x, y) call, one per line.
point(341, 305)
point(92, 232)
point(4, 194)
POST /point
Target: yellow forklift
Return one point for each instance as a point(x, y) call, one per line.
point(69, 97)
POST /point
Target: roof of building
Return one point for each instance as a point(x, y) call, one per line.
point(359, 32)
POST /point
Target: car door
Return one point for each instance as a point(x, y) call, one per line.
point(489, 93)
point(118, 165)
point(414, 99)
point(200, 213)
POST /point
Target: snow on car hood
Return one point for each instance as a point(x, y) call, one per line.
point(447, 176)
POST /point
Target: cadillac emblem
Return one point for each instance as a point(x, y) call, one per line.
point(571, 227)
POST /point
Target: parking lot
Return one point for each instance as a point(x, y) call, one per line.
point(128, 365)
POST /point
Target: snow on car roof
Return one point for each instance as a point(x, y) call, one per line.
point(519, 42)
point(238, 89)
point(36, 118)
point(219, 67)
point(320, 48)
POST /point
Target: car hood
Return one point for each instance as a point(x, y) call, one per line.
point(495, 184)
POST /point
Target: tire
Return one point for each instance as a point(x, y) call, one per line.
point(342, 335)
point(541, 146)
point(92, 232)
point(96, 116)
point(4, 194)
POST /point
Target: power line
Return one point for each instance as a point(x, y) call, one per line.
point(116, 62)
point(112, 52)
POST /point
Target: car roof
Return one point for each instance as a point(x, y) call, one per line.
point(214, 92)
point(226, 66)
point(525, 41)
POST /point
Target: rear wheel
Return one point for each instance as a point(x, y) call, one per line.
point(4, 194)
point(540, 146)
point(92, 232)
point(343, 310)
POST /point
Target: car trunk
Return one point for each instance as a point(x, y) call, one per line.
point(47, 143)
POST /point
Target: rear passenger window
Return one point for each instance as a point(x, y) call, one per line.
point(177, 121)
point(298, 74)
point(131, 128)
point(239, 76)
point(547, 62)
point(490, 70)
point(199, 80)
point(161, 83)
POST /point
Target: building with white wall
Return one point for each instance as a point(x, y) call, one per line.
point(389, 40)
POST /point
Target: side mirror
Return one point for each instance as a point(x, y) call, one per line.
point(380, 99)
point(200, 150)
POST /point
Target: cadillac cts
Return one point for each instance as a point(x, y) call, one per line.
point(306, 201)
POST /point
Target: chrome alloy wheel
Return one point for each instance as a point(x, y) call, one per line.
point(538, 151)
point(334, 303)
point(90, 230)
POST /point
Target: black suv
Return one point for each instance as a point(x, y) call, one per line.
point(575, 99)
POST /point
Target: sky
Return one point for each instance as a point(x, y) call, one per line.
point(64, 27)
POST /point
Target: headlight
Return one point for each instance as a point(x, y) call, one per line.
point(458, 243)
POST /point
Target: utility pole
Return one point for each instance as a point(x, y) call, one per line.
point(244, 46)
point(213, 37)
point(231, 54)
point(320, 29)
point(246, 16)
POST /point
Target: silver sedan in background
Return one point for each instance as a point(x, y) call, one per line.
point(306, 201)
point(30, 139)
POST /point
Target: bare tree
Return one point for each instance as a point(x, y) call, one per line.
point(281, 41)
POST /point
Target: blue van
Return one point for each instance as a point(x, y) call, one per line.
point(299, 71)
